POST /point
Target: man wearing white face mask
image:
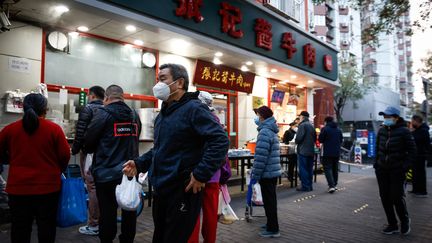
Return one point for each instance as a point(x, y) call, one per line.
point(189, 147)
point(396, 150)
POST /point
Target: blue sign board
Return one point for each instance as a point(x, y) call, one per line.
point(371, 144)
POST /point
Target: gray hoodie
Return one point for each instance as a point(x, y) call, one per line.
point(305, 139)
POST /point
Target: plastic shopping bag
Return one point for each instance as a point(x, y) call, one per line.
point(224, 207)
point(257, 195)
point(88, 163)
point(128, 194)
point(226, 210)
point(72, 209)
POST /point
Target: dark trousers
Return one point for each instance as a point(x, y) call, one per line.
point(175, 214)
point(292, 163)
point(331, 170)
point(391, 188)
point(419, 176)
point(26, 208)
point(268, 190)
point(306, 171)
point(108, 215)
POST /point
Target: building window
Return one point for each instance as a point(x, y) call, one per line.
point(320, 20)
point(291, 8)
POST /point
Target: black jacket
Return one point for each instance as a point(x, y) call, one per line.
point(84, 119)
point(112, 136)
point(395, 147)
point(187, 139)
point(422, 140)
point(331, 138)
point(288, 136)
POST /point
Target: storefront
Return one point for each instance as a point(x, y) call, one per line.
point(266, 59)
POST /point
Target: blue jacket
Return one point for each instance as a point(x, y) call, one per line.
point(187, 139)
point(331, 138)
point(267, 153)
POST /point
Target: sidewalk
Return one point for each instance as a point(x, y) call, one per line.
point(353, 214)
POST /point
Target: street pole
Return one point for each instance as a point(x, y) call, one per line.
point(426, 83)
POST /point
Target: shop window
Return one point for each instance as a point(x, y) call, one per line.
point(286, 101)
point(92, 61)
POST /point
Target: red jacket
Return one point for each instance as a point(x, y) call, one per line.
point(35, 161)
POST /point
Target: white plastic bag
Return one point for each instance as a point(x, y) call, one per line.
point(257, 195)
point(128, 194)
point(88, 162)
point(224, 207)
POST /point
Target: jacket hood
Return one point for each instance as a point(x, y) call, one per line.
point(424, 126)
point(120, 111)
point(332, 124)
point(167, 109)
point(269, 123)
point(96, 102)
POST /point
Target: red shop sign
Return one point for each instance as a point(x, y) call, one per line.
point(223, 77)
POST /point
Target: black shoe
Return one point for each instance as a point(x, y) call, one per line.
point(406, 227)
point(263, 227)
point(390, 229)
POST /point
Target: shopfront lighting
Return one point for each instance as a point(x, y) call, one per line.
point(310, 81)
point(179, 44)
point(284, 81)
point(218, 54)
point(244, 68)
point(61, 9)
point(130, 28)
point(217, 61)
point(273, 70)
point(127, 46)
point(249, 63)
point(300, 86)
point(138, 42)
point(73, 34)
point(83, 28)
point(293, 76)
point(149, 59)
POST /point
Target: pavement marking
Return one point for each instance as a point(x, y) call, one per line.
point(305, 198)
point(358, 210)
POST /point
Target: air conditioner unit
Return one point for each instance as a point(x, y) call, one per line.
point(345, 25)
point(345, 42)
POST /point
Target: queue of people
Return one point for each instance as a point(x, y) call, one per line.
point(186, 165)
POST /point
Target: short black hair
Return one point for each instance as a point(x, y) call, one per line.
point(177, 71)
point(114, 92)
point(329, 119)
point(97, 91)
point(417, 118)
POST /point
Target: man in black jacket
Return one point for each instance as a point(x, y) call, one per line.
point(189, 147)
point(422, 140)
point(95, 96)
point(396, 150)
point(331, 139)
point(113, 138)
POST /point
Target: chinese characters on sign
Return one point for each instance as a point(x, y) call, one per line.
point(230, 17)
point(309, 55)
point(263, 34)
point(189, 9)
point(328, 63)
point(288, 43)
point(223, 77)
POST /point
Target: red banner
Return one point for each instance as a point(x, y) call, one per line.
point(223, 77)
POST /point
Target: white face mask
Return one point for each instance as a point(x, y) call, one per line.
point(295, 129)
point(162, 91)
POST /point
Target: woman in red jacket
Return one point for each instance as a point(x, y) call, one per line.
point(37, 152)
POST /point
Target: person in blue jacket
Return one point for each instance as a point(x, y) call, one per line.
point(266, 167)
point(189, 147)
point(331, 139)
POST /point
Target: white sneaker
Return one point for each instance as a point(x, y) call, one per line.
point(88, 230)
point(331, 190)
